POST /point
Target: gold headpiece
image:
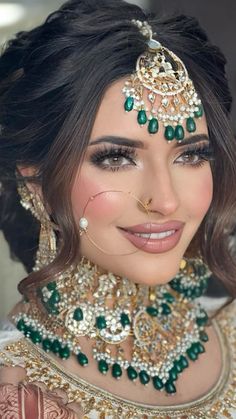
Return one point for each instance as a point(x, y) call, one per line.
point(162, 73)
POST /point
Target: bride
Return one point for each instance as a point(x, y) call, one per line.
point(117, 165)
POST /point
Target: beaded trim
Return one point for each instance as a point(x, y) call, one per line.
point(216, 404)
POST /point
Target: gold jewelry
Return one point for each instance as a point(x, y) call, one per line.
point(47, 239)
point(164, 74)
point(162, 324)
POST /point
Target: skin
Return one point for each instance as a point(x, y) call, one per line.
point(180, 190)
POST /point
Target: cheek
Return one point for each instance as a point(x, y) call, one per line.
point(96, 201)
point(199, 194)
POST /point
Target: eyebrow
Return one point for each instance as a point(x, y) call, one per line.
point(111, 139)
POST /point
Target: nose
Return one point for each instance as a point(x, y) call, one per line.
point(160, 188)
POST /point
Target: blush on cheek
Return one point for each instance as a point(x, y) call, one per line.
point(94, 201)
point(203, 193)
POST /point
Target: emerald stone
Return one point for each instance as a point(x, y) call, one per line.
point(132, 373)
point(204, 336)
point(195, 348)
point(153, 126)
point(199, 112)
point(129, 104)
point(179, 133)
point(101, 322)
point(35, 337)
point(103, 366)
point(144, 377)
point(64, 352)
point(183, 361)
point(56, 346)
point(78, 314)
point(169, 133)
point(82, 359)
point(201, 321)
point(157, 382)
point(55, 298)
point(178, 366)
point(21, 325)
point(52, 286)
point(191, 354)
point(116, 371)
point(46, 344)
point(173, 374)
point(124, 319)
point(170, 387)
point(142, 117)
point(168, 297)
point(190, 125)
point(152, 311)
point(201, 348)
point(165, 309)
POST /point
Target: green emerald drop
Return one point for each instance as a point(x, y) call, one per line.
point(55, 298)
point(204, 336)
point(116, 371)
point(35, 337)
point(158, 383)
point(152, 311)
point(142, 117)
point(173, 374)
point(201, 321)
point(169, 133)
point(132, 373)
point(153, 126)
point(103, 366)
point(170, 387)
point(165, 309)
point(21, 325)
point(101, 322)
point(82, 359)
point(190, 125)
point(168, 297)
point(124, 319)
point(178, 366)
point(78, 314)
point(191, 354)
point(201, 348)
point(179, 133)
point(51, 286)
point(144, 377)
point(64, 353)
point(47, 344)
point(199, 112)
point(56, 346)
point(129, 104)
point(183, 361)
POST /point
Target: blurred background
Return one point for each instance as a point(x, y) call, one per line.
point(216, 16)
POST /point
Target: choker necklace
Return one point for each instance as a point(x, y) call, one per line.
point(162, 327)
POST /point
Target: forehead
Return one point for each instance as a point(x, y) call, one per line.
point(112, 119)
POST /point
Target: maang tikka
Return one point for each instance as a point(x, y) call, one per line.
point(163, 74)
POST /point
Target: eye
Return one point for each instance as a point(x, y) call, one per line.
point(114, 158)
point(195, 156)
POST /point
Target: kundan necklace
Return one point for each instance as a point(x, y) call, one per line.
point(165, 328)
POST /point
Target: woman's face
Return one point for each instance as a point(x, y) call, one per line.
point(124, 165)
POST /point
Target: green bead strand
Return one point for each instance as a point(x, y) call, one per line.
point(103, 366)
point(132, 373)
point(116, 371)
point(129, 104)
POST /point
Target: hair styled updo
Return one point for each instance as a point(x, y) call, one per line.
point(52, 80)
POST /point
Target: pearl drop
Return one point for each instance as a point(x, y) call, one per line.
point(83, 223)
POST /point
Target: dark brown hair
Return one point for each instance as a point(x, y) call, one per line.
point(52, 80)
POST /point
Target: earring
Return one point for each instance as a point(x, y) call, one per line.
point(47, 238)
point(192, 279)
point(83, 223)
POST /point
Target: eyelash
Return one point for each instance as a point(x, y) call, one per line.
point(204, 152)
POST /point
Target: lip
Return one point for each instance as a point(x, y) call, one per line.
point(154, 245)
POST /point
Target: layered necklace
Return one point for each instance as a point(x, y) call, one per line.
point(162, 326)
